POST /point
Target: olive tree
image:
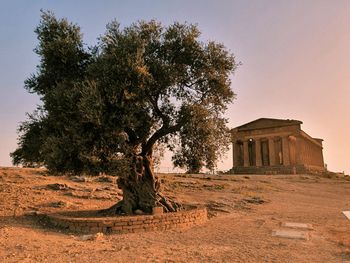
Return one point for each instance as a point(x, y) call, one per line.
point(108, 106)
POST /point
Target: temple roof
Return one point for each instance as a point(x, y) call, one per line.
point(264, 123)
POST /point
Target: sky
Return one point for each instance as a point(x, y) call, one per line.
point(295, 59)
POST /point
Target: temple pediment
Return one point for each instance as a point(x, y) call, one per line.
point(264, 123)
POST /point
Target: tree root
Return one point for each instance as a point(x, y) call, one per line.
point(168, 205)
point(115, 209)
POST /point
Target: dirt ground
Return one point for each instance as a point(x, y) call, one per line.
point(243, 213)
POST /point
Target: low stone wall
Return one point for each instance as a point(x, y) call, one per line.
point(128, 224)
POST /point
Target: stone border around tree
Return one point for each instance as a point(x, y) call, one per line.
point(126, 224)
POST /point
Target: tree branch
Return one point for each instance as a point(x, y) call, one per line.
point(160, 114)
point(165, 130)
point(133, 139)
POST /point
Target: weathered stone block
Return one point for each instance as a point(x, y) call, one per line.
point(137, 223)
point(95, 229)
point(297, 225)
point(292, 234)
point(120, 223)
point(157, 210)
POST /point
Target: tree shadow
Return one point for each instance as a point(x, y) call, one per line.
point(28, 221)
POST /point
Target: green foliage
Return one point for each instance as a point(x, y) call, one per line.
point(203, 140)
point(140, 86)
point(51, 136)
point(28, 153)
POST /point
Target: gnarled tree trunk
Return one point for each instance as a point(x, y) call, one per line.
point(141, 190)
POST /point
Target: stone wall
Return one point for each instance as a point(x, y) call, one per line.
point(129, 224)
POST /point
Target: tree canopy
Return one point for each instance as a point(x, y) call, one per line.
point(140, 85)
point(107, 106)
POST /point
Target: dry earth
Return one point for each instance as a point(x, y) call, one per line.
point(243, 212)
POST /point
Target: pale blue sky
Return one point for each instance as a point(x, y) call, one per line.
point(295, 54)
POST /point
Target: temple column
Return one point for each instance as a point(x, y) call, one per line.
point(258, 159)
point(234, 154)
point(292, 150)
point(272, 152)
point(285, 149)
point(245, 153)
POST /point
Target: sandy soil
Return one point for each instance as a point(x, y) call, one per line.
point(243, 211)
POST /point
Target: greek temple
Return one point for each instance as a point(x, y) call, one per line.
point(275, 146)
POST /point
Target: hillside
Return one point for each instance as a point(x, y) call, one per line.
point(243, 213)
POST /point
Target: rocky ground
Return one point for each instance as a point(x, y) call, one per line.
point(244, 212)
